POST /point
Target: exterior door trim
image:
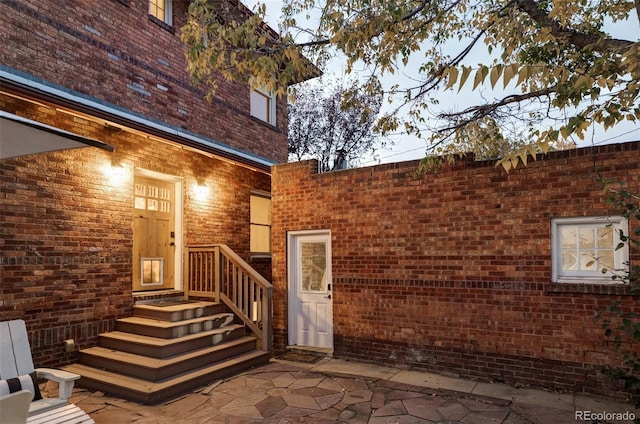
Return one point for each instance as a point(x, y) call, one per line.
point(179, 208)
point(292, 307)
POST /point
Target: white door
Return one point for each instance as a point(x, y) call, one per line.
point(310, 305)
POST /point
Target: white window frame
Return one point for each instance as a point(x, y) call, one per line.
point(168, 11)
point(259, 110)
point(252, 225)
point(621, 256)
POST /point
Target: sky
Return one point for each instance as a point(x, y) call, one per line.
point(404, 147)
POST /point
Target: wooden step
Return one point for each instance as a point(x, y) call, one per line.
point(167, 329)
point(160, 369)
point(155, 347)
point(177, 312)
point(150, 392)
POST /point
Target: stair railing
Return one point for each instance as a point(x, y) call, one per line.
point(218, 273)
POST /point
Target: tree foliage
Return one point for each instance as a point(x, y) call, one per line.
point(620, 321)
point(553, 60)
point(331, 121)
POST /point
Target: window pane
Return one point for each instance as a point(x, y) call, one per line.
point(569, 260)
point(588, 260)
point(157, 8)
point(260, 239)
point(260, 210)
point(606, 260)
point(569, 237)
point(259, 105)
point(314, 267)
point(587, 238)
point(605, 238)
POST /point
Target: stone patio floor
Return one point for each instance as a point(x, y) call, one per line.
point(337, 391)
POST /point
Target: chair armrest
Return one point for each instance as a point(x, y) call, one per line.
point(64, 379)
point(56, 375)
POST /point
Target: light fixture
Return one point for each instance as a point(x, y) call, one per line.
point(115, 171)
point(200, 190)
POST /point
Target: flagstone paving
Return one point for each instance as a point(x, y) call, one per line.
point(284, 392)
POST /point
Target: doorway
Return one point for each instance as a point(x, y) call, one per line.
point(157, 242)
point(309, 276)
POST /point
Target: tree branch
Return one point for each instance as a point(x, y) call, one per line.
point(478, 112)
point(578, 39)
point(436, 76)
point(419, 9)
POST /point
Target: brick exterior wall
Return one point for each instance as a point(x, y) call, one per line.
point(451, 271)
point(66, 224)
point(113, 51)
point(66, 234)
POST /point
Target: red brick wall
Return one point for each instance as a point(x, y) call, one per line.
point(66, 227)
point(115, 53)
point(451, 271)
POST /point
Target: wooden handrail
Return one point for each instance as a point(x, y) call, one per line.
point(217, 272)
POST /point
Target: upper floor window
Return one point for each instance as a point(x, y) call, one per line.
point(260, 224)
point(161, 10)
point(588, 249)
point(263, 106)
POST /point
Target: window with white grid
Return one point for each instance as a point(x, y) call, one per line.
point(588, 249)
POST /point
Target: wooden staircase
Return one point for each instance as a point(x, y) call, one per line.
point(163, 351)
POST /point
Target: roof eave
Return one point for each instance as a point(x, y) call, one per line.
point(40, 91)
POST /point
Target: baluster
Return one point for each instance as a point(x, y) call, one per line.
point(252, 301)
point(239, 283)
point(247, 295)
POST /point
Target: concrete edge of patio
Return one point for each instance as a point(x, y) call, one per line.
point(525, 399)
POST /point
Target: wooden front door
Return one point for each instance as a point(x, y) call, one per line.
point(154, 234)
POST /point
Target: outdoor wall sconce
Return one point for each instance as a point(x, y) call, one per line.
point(117, 169)
point(200, 190)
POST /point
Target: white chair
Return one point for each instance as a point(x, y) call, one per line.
point(14, 407)
point(16, 361)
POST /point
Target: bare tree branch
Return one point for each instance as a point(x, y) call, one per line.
point(475, 113)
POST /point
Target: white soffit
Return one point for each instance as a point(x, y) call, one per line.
point(20, 136)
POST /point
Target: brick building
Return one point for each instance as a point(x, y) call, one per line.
point(87, 231)
point(452, 272)
point(468, 271)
